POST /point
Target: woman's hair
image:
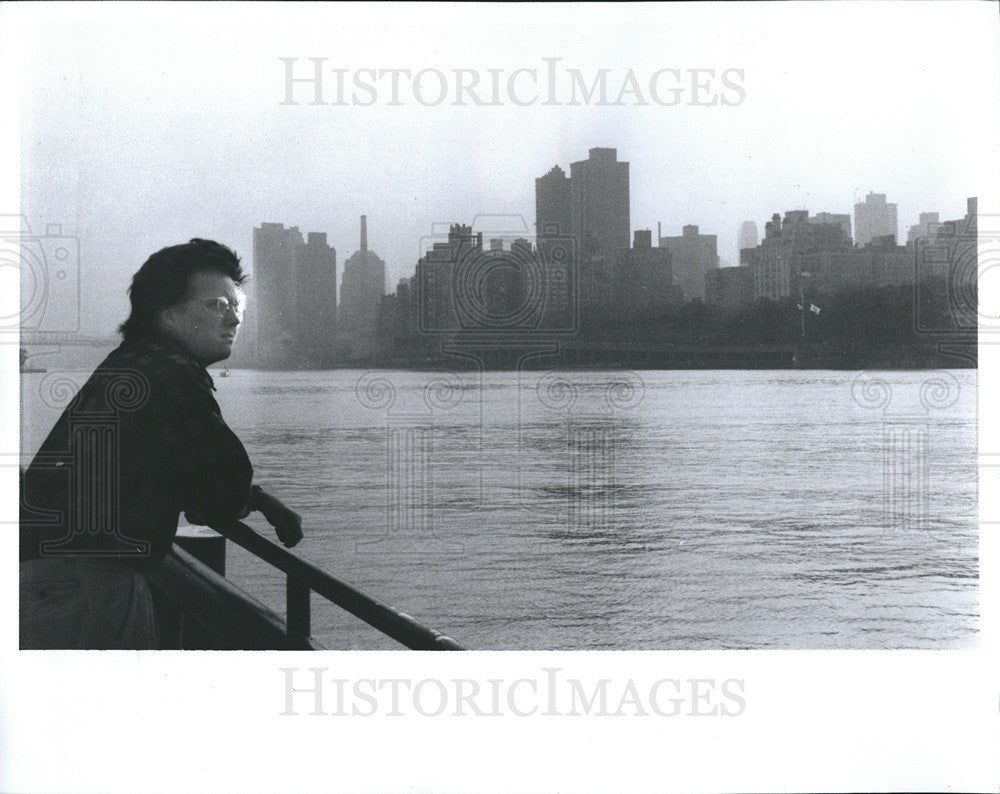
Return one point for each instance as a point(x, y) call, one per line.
point(163, 279)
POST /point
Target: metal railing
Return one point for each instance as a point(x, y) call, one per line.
point(223, 616)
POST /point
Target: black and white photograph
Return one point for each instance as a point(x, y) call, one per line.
point(641, 355)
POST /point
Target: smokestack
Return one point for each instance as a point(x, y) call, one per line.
point(364, 234)
point(659, 234)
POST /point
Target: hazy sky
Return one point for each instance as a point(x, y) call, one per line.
point(143, 126)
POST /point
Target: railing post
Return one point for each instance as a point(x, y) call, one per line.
point(204, 544)
point(297, 595)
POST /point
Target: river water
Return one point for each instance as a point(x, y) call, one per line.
point(624, 510)
point(675, 509)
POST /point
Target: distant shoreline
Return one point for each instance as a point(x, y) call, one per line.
point(534, 367)
point(957, 354)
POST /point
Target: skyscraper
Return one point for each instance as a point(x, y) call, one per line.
point(589, 212)
point(929, 223)
point(438, 312)
point(843, 220)
point(361, 291)
point(599, 204)
point(316, 300)
point(552, 204)
point(644, 278)
point(874, 218)
point(293, 309)
point(693, 255)
point(274, 295)
point(748, 236)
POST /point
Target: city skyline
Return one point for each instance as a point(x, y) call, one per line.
point(128, 163)
point(343, 338)
point(486, 224)
point(464, 287)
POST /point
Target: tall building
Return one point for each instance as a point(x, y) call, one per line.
point(842, 220)
point(274, 295)
point(644, 281)
point(599, 204)
point(815, 255)
point(769, 269)
point(316, 299)
point(778, 263)
point(361, 290)
point(950, 253)
point(929, 222)
point(438, 311)
point(293, 309)
point(399, 334)
point(591, 209)
point(748, 236)
point(552, 204)
point(693, 255)
point(874, 218)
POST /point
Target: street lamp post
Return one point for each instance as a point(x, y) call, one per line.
point(802, 303)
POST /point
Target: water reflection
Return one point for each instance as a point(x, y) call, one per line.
point(693, 510)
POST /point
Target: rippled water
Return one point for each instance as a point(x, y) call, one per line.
point(712, 509)
point(674, 510)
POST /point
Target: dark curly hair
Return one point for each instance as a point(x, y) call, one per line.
point(163, 279)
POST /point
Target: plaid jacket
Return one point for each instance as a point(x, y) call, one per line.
point(143, 440)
